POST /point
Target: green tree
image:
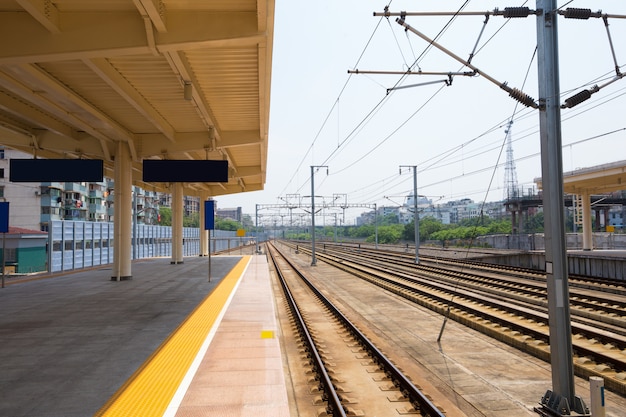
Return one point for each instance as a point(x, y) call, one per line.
point(166, 216)
point(227, 224)
point(388, 219)
point(363, 231)
point(500, 227)
point(428, 226)
point(387, 234)
point(192, 220)
point(534, 224)
point(443, 235)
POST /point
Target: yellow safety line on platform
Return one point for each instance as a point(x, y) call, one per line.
point(267, 334)
point(151, 388)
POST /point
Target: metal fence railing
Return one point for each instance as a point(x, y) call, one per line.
point(75, 245)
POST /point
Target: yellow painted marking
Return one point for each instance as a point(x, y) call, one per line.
point(151, 388)
point(267, 334)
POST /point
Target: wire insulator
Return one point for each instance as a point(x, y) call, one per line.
point(511, 12)
point(575, 13)
point(576, 99)
point(523, 98)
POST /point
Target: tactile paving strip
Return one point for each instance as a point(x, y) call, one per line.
point(149, 391)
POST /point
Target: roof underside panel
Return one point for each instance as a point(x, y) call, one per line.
point(153, 77)
point(234, 95)
point(77, 77)
point(176, 79)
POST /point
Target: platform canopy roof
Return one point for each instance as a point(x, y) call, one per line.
point(174, 79)
point(599, 179)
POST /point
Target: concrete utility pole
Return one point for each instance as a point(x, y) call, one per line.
point(416, 216)
point(376, 225)
point(256, 222)
point(313, 167)
point(561, 400)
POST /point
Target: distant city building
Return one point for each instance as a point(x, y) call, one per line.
point(24, 198)
point(34, 205)
point(230, 214)
point(190, 204)
point(451, 212)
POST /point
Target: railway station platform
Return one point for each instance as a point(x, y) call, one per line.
point(170, 343)
point(166, 343)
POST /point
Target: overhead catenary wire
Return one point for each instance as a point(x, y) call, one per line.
point(521, 97)
point(406, 73)
point(398, 45)
point(378, 105)
point(518, 159)
point(518, 95)
point(310, 148)
point(429, 47)
point(359, 126)
point(447, 153)
point(376, 108)
point(486, 194)
point(390, 134)
point(467, 174)
point(378, 145)
point(584, 95)
point(527, 115)
point(512, 117)
point(531, 132)
point(389, 187)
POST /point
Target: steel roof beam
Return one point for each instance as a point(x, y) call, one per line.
point(111, 34)
point(44, 12)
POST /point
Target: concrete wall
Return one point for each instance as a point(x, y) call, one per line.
point(529, 242)
point(582, 263)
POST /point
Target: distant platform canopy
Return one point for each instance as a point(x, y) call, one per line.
point(171, 79)
point(599, 179)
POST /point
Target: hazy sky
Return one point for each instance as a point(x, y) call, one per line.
point(322, 116)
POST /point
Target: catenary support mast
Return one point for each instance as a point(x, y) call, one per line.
point(562, 399)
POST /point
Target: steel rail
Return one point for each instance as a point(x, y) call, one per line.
point(434, 297)
point(334, 406)
point(401, 289)
point(414, 395)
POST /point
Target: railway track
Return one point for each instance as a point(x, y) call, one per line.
point(590, 300)
point(508, 307)
point(349, 373)
point(465, 263)
point(465, 258)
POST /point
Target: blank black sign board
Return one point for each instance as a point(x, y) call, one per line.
point(4, 217)
point(186, 170)
point(56, 170)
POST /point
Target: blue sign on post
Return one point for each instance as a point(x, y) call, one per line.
point(4, 217)
point(209, 215)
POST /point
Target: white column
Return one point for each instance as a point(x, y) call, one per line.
point(177, 223)
point(587, 225)
point(122, 214)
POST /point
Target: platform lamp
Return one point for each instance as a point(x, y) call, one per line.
point(187, 90)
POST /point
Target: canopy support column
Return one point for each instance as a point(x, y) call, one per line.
point(587, 225)
point(122, 214)
point(177, 223)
